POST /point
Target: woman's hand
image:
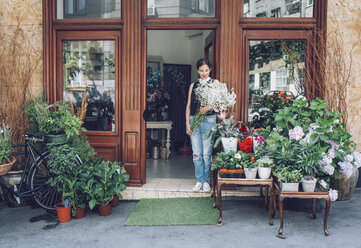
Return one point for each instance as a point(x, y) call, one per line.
point(204, 109)
point(188, 130)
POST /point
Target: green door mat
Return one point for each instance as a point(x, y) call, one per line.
point(173, 211)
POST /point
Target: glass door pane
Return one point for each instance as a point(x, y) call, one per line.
point(276, 71)
point(89, 81)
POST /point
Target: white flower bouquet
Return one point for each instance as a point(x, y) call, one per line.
point(214, 95)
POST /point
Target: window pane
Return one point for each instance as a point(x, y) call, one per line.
point(88, 9)
point(276, 70)
point(89, 77)
point(277, 8)
point(180, 8)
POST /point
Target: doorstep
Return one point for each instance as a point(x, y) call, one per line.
point(174, 188)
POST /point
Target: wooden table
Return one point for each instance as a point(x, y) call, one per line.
point(218, 182)
point(162, 125)
point(320, 193)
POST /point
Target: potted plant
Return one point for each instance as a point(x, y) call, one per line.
point(228, 164)
point(289, 178)
point(55, 120)
point(6, 160)
point(107, 181)
point(66, 172)
point(227, 131)
point(119, 178)
point(249, 165)
point(265, 165)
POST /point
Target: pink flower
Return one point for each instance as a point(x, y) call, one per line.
point(333, 144)
point(222, 115)
point(259, 138)
point(329, 169)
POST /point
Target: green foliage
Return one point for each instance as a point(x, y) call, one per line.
point(5, 145)
point(103, 181)
point(52, 119)
point(288, 175)
point(265, 161)
point(82, 146)
point(234, 160)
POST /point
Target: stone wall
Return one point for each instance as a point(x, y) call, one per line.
point(27, 15)
point(345, 16)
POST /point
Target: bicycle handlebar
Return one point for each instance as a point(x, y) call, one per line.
point(37, 137)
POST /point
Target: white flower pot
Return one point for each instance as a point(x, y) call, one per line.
point(251, 173)
point(289, 187)
point(309, 185)
point(264, 172)
point(229, 144)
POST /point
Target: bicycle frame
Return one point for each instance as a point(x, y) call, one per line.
point(31, 151)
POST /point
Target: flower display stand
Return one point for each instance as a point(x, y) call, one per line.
point(218, 182)
point(320, 193)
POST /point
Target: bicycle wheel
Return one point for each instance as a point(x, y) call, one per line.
point(45, 196)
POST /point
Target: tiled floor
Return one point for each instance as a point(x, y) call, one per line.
point(173, 178)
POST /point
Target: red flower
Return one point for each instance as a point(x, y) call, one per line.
point(252, 159)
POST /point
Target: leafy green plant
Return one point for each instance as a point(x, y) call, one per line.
point(52, 119)
point(265, 161)
point(65, 171)
point(5, 145)
point(82, 146)
point(104, 181)
point(226, 160)
point(288, 175)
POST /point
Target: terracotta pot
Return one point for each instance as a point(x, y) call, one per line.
point(105, 210)
point(80, 212)
point(63, 213)
point(115, 201)
point(345, 186)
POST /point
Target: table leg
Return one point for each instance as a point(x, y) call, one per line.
point(270, 204)
point(168, 142)
point(280, 231)
point(214, 183)
point(266, 199)
point(219, 195)
point(328, 204)
point(314, 208)
point(261, 191)
point(274, 205)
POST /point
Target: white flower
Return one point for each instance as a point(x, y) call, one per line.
point(238, 156)
point(264, 109)
point(301, 97)
point(349, 158)
point(336, 121)
point(296, 133)
point(323, 183)
point(331, 153)
point(326, 160)
point(346, 169)
point(357, 157)
point(333, 194)
point(328, 169)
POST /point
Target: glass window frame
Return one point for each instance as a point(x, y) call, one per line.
point(91, 35)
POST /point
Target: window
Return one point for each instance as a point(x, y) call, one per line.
point(88, 9)
point(180, 8)
point(276, 12)
point(276, 69)
point(89, 78)
point(278, 9)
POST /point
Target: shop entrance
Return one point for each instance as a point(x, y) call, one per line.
point(171, 67)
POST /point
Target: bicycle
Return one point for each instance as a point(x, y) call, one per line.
point(35, 176)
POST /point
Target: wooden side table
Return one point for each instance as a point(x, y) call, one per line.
point(218, 182)
point(320, 193)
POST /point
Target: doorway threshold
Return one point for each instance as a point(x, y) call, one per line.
point(175, 187)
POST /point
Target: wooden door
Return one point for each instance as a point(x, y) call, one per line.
point(87, 66)
point(210, 52)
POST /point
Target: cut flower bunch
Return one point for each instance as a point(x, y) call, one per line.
point(213, 94)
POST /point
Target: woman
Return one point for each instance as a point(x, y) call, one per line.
point(202, 148)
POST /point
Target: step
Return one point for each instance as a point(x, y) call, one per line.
point(174, 188)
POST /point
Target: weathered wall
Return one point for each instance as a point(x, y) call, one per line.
point(28, 16)
point(345, 16)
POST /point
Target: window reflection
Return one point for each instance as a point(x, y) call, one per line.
point(88, 9)
point(277, 8)
point(276, 70)
point(89, 82)
point(180, 8)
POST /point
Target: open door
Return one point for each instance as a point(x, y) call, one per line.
point(209, 51)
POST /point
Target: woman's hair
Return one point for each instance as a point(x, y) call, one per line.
point(203, 61)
